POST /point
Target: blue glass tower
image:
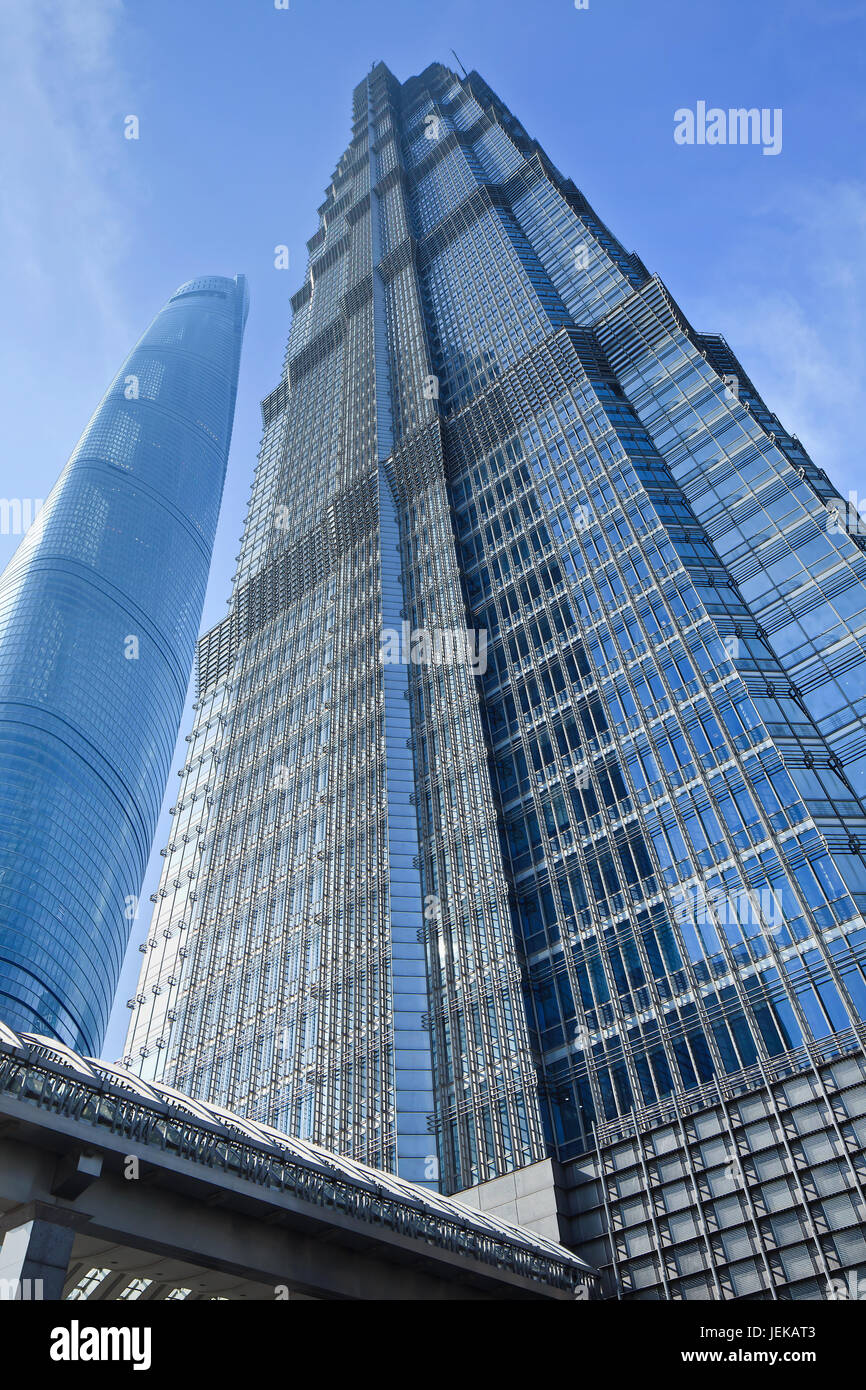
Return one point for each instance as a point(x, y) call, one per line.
point(596, 899)
point(99, 610)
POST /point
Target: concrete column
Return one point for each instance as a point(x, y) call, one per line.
point(531, 1196)
point(34, 1259)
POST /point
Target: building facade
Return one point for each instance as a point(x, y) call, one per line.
point(523, 821)
point(99, 612)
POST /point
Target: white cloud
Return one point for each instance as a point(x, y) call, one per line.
point(61, 159)
point(798, 323)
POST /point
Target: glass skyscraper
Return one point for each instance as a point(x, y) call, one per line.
point(99, 612)
point(522, 817)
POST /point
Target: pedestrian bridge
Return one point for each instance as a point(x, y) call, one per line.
point(113, 1188)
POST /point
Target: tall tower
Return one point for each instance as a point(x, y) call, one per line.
point(99, 612)
point(523, 814)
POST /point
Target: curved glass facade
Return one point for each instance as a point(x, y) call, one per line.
point(99, 611)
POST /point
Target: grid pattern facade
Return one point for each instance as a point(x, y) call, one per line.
point(99, 611)
point(638, 823)
point(747, 1191)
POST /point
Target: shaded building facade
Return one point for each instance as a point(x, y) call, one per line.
point(545, 898)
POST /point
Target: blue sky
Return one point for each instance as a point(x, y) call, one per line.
point(244, 109)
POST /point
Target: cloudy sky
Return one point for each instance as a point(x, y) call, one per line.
point(244, 108)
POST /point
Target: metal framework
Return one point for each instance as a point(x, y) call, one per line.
point(46, 1074)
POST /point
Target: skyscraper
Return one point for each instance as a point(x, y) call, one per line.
point(523, 813)
point(99, 612)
